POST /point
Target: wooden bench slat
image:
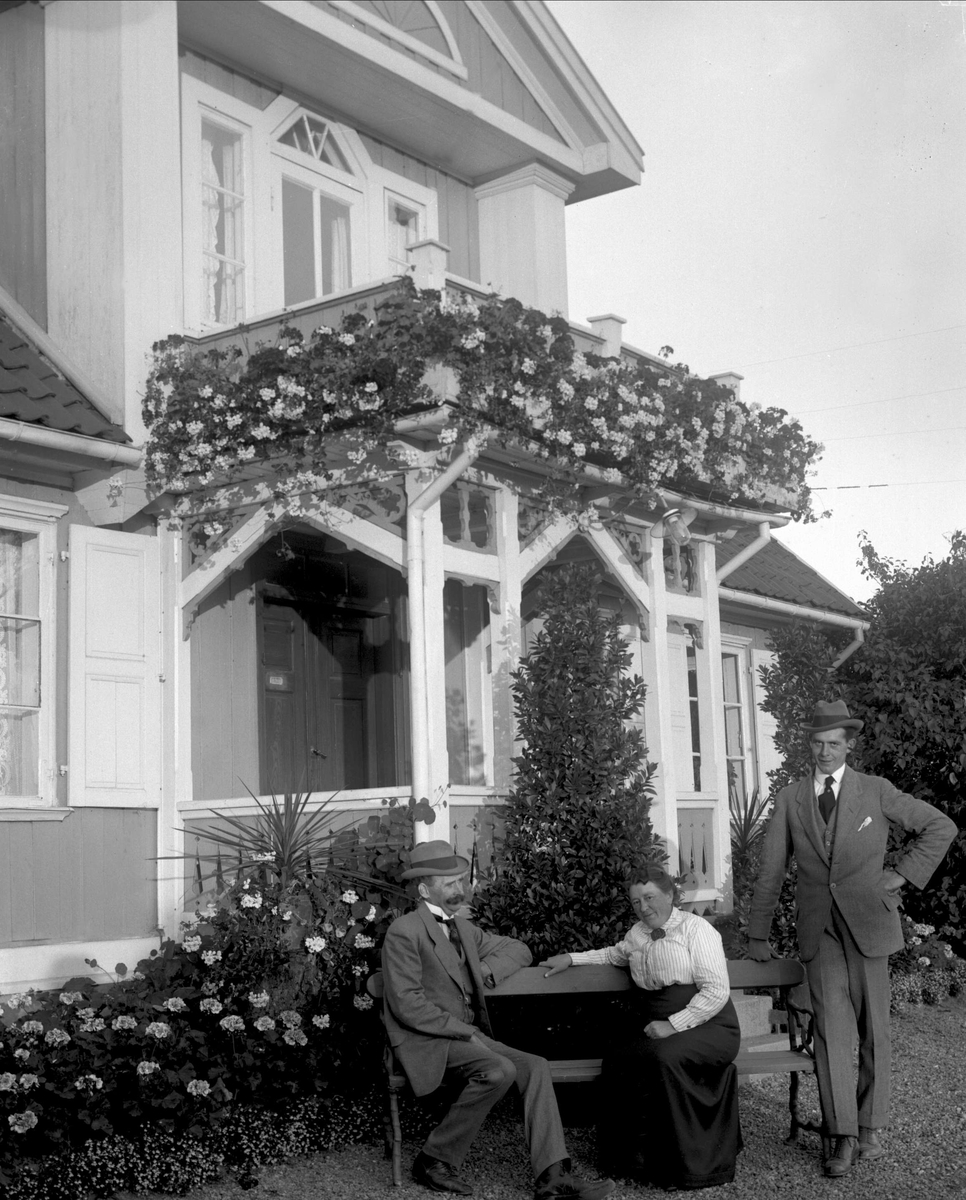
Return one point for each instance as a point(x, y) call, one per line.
point(532, 981)
point(772, 1062)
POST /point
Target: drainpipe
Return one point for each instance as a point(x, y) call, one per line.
point(851, 648)
point(415, 568)
point(763, 538)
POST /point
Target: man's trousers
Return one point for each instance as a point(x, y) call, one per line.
point(850, 993)
point(488, 1069)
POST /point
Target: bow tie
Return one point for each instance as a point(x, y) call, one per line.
point(443, 920)
point(657, 934)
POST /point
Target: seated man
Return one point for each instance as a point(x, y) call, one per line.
point(435, 966)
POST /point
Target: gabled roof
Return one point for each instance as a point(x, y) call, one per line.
point(33, 391)
point(779, 573)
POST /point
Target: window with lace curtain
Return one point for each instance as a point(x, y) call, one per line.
point(19, 662)
point(27, 543)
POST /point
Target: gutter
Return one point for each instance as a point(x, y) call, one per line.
point(110, 453)
point(416, 573)
point(43, 342)
point(804, 612)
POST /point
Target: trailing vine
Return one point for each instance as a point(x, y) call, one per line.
point(520, 380)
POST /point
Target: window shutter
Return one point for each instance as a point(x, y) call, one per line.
point(770, 757)
point(115, 690)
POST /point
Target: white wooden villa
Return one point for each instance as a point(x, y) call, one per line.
point(220, 170)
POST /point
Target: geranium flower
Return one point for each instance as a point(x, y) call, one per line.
point(175, 1004)
point(158, 1029)
point(362, 1002)
point(263, 1024)
point(314, 945)
point(363, 942)
point(29, 1081)
point(124, 1022)
point(322, 1021)
point(94, 1025)
point(290, 1018)
point(232, 1024)
point(210, 957)
point(71, 997)
point(146, 1067)
point(191, 944)
point(89, 1083)
point(350, 897)
point(21, 1122)
point(56, 1037)
point(294, 1037)
point(198, 1087)
point(251, 900)
point(21, 1055)
point(258, 999)
point(8, 1082)
point(31, 1027)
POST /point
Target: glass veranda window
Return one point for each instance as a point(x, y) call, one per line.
point(223, 224)
point(19, 663)
point(315, 239)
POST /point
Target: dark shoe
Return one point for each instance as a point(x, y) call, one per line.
point(557, 1181)
point(870, 1148)
point(439, 1176)
point(844, 1154)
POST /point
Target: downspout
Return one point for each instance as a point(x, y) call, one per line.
point(415, 569)
point(763, 538)
point(851, 648)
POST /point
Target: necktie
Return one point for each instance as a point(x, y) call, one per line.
point(826, 800)
point(449, 927)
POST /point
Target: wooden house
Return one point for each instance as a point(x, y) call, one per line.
point(217, 170)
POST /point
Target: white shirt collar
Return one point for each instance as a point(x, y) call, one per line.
point(819, 779)
point(437, 912)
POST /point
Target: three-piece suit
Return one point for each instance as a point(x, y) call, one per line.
point(848, 925)
point(437, 1023)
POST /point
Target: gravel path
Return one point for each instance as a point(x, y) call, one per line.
point(926, 1145)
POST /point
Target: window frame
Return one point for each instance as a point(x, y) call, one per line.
point(368, 189)
point(738, 648)
point(39, 518)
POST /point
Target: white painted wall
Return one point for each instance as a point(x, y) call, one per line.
point(523, 250)
point(113, 189)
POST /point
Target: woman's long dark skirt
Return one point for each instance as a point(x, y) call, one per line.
point(669, 1111)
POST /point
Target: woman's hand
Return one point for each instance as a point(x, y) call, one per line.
point(659, 1029)
point(558, 963)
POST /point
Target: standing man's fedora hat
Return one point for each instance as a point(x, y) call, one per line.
point(435, 858)
point(832, 714)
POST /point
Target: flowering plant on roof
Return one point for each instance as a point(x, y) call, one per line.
point(521, 381)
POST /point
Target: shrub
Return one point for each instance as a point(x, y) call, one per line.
point(577, 816)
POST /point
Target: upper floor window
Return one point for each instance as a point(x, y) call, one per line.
point(222, 223)
point(283, 207)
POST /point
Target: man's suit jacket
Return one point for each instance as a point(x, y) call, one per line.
point(852, 878)
point(424, 994)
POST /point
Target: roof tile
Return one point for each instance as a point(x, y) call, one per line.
point(779, 573)
point(33, 391)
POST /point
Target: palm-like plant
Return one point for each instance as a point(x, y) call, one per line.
point(747, 820)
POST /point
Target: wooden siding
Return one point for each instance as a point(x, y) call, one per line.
point(491, 76)
point(23, 233)
point(89, 877)
point(224, 706)
point(230, 82)
point(458, 220)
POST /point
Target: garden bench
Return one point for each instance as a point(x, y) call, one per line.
point(758, 1054)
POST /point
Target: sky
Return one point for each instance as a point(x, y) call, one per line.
point(801, 222)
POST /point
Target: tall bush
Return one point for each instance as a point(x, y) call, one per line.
point(577, 816)
point(908, 684)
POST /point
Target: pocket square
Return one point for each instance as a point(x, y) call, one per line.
point(867, 821)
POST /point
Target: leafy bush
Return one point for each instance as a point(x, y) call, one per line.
point(907, 684)
point(577, 816)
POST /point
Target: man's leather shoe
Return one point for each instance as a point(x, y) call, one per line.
point(557, 1181)
point(844, 1154)
point(440, 1176)
point(870, 1147)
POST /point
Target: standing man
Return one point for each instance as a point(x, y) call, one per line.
point(836, 822)
point(435, 967)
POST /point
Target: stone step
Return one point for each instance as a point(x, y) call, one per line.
point(752, 1013)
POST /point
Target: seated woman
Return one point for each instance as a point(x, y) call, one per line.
point(669, 1096)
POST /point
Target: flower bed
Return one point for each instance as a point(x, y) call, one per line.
point(520, 379)
point(261, 1005)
